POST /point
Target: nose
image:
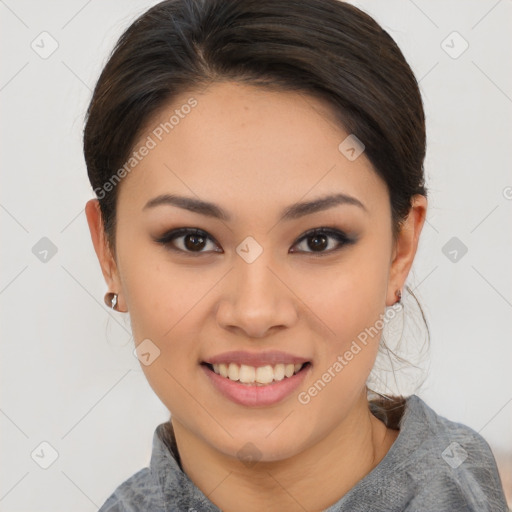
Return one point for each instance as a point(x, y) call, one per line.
point(255, 299)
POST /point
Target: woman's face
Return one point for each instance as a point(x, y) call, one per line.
point(251, 289)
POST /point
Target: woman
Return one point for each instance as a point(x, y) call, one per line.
point(258, 167)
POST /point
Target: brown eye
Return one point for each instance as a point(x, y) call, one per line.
point(318, 242)
point(323, 241)
point(187, 240)
point(194, 242)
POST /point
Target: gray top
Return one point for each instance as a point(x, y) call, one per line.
point(434, 465)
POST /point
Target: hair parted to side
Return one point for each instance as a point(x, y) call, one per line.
point(325, 48)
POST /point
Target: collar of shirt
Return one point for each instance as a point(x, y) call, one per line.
point(433, 463)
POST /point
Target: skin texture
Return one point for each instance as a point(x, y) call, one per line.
point(254, 152)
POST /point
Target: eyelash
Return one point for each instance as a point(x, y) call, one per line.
point(342, 238)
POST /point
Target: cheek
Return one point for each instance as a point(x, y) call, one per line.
point(348, 297)
point(165, 303)
point(157, 294)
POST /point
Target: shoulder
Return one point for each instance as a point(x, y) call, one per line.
point(139, 492)
point(161, 487)
point(451, 463)
point(447, 441)
point(434, 465)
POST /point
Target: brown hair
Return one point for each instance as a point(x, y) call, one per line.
point(325, 48)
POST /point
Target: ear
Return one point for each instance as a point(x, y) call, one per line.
point(405, 247)
point(103, 252)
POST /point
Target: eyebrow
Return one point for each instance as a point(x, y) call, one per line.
point(294, 211)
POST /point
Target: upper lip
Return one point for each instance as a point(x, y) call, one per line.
point(256, 358)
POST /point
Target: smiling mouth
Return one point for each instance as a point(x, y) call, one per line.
point(256, 376)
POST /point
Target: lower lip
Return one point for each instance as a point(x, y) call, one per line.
point(254, 396)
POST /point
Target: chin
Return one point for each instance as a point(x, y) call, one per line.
point(251, 447)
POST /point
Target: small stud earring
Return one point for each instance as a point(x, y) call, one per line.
point(111, 300)
point(398, 293)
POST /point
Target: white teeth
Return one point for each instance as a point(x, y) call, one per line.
point(265, 374)
point(233, 371)
point(279, 372)
point(247, 373)
point(288, 370)
point(223, 369)
point(260, 376)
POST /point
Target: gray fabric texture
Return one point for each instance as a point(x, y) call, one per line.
point(434, 465)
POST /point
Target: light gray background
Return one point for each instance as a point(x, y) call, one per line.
point(68, 374)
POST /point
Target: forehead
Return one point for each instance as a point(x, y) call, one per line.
point(244, 143)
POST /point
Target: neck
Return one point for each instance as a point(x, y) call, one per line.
point(311, 480)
